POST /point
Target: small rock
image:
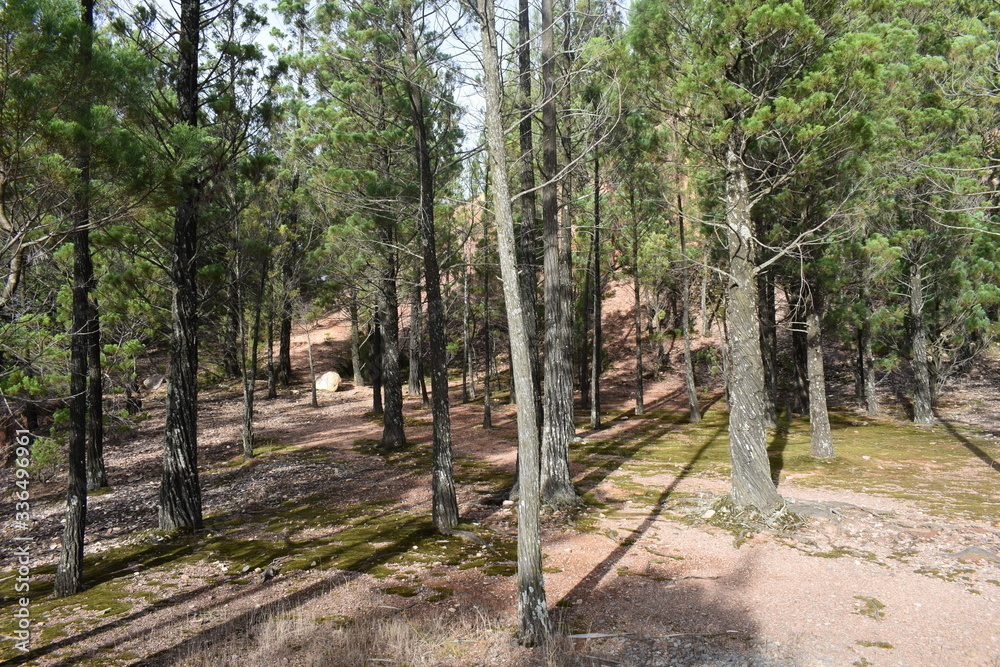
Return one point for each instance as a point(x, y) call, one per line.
point(246, 568)
point(975, 555)
point(508, 503)
point(708, 515)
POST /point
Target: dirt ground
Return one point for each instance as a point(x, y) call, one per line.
point(637, 578)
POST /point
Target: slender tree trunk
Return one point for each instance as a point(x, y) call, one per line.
point(287, 310)
point(468, 373)
point(596, 361)
point(413, 386)
point(445, 505)
point(490, 348)
point(751, 475)
point(392, 386)
point(69, 571)
point(556, 483)
point(705, 323)
point(532, 609)
point(230, 341)
point(769, 347)
point(922, 412)
point(180, 489)
point(639, 394)
point(867, 358)
point(272, 380)
point(819, 418)
point(800, 356)
point(376, 360)
point(692, 392)
point(585, 331)
point(250, 374)
point(359, 380)
point(528, 233)
point(314, 399)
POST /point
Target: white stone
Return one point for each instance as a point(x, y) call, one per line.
point(329, 381)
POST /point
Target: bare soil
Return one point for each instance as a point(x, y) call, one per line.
point(634, 578)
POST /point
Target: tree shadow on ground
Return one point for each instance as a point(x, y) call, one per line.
point(971, 446)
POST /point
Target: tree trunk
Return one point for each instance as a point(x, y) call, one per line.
point(922, 412)
point(413, 386)
point(359, 380)
point(180, 489)
point(69, 571)
point(376, 360)
point(533, 613)
point(705, 273)
point(445, 504)
point(285, 343)
point(468, 373)
point(490, 348)
point(819, 419)
point(692, 392)
point(597, 343)
point(272, 380)
point(751, 475)
point(528, 233)
point(585, 331)
point(250, 366)
point(867, 358)
point(556, 483)
point(639, 394)
point(392, 386)
point(230, 341)
point(800, 357)
point(769, 347)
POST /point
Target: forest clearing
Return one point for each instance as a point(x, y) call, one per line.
point(548, 332)
point(888, 555)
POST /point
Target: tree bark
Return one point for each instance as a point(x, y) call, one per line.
point(359, 380)
point(533, 613)
point(922, 397)
point(556, 483)
point(445, 504)
point(392, 386)
point(468, 373)
point(528, 233)
point(413, 386)
point(69, 571)
point(800, 356)
point(640, 403)
point(819, 419)
point(769, 347)
point(376, 359)
point(596, 360)
point(692, 391)
point(180, 489)
point(705, 323)
point(867, 358)
point(751, 474)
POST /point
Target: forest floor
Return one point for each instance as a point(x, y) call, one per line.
point(887, 555)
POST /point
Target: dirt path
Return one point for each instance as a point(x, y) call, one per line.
point(649, 572)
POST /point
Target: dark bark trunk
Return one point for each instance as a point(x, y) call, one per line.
point(359, 380)
point(314, 400)
point(922, 398)
point(490, 351)
point(752, 485)
point(272, 379)
point(800, 357)
point(769, 347)
point(69, 571)
point(230, 345)
point(392, 385)
point(640, 403)
point(585, 331)
point(819, 419)
point(596, 360)
point(376, 360)
point(468, 373)
point(287, 307)
point(285, 343)
point(556, 483)
point(533, 615)
point(445, 504)
point(180, 490)
point(692, 392)
point(867, 358)
point(705, 273)
point(250, 367)
point(528, 234)
point(413, 386)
